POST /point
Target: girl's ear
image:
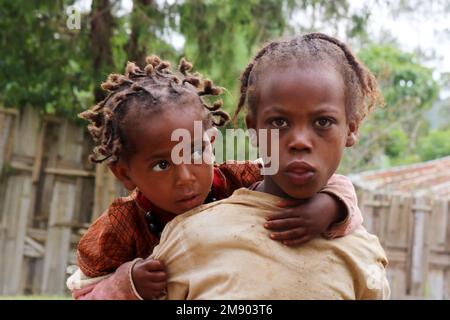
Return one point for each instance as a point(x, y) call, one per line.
point(120, 171)
point(352, 134)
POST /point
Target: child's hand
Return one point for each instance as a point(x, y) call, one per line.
point(149, 278)
point(301, 220)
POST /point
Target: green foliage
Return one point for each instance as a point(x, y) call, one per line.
point(393, 131)
point(397, 143)
point(39, 64)
point(225, 35)
point(436, 144)
point(45, 65)
point(406, 84)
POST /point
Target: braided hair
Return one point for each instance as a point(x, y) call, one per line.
point(150, 89)
point(361, 90)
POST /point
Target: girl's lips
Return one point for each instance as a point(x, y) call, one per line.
point(299, 177)
point(299, 166)
point(299, 172)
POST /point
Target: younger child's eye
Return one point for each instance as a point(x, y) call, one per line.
point(323, 122)
point(279, 123)
point(161, 166)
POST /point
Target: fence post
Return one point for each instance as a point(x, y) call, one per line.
point(419, 251)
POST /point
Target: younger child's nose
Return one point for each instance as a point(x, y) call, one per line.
point(184, 176)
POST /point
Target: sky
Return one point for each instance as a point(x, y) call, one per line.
point(428, 31)
point(422, 29)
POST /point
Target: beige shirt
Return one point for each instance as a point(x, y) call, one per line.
point(222, 251)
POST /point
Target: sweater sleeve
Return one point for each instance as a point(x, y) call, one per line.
point(341, 188)
point(115, 286)
point(102, 250)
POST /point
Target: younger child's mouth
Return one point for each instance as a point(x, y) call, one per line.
point(189, 200)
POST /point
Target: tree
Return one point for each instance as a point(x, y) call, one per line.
point(409, 91)
point(64, 65)
point(101, 32)
point(436, 144)
point(57, 70)
point(226, 34)
point(39, 66)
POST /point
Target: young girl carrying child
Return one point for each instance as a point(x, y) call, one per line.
point(315, 93)
point(132, 127)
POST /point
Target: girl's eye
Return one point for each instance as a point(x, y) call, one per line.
point(279, 123)
point(161, 166)
point(323, 123)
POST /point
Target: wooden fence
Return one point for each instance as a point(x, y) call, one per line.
point(415, 233)
point(49, 194)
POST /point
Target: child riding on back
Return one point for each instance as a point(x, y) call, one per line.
point(132, 128)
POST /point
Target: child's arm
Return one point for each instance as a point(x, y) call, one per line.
point(114, 286)
point(134, 280)
point(343, 191)
point(337, 204)
point(103, 248)
point(333, 212)
point(106, 250)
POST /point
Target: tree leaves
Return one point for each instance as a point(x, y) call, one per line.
point(47, 66)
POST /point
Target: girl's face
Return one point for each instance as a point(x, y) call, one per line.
point(173, 188)
point(308, 108)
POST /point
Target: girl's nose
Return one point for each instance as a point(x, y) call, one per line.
point(184, 176)
point(300, 140)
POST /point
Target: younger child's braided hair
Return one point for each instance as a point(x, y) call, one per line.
point(149, 89)
point(361, 90)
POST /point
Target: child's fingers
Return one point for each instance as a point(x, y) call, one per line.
point(157, 287)
point(156, 276)
point(153, 265)
point(283, 224)
point(289, 235)
point(289, 203)
point(287, 213)
point(149, 289)
point(297, 242)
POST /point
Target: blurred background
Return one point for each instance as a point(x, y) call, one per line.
point(54, 55)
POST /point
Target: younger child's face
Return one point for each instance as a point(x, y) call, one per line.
point(307, 105)
point(173, 188)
